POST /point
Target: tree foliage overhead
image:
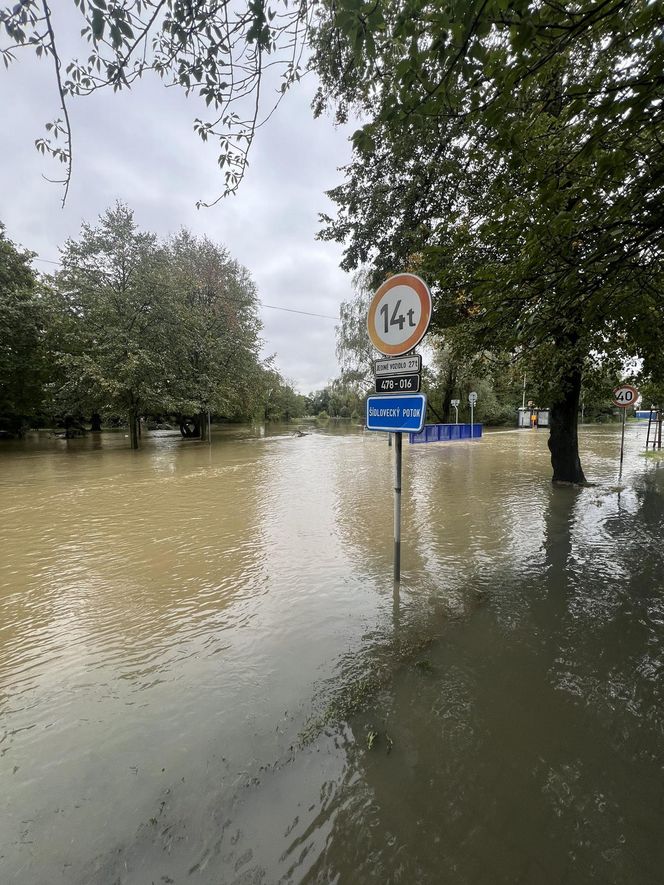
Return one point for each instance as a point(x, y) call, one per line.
point(513, 155)
point(228, 54)
point(528, 132)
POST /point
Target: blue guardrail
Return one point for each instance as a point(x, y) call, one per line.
point(445, 433)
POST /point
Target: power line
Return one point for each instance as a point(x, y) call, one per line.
point(325, 316)
point(307, 313)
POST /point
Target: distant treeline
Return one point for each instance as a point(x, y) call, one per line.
point(131, 327)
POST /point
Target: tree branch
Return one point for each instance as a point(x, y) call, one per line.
point(63, 103)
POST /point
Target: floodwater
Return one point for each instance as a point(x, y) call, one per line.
point(207, 677)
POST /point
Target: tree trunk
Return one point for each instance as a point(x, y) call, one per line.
point(16, 426)
point(95, 423)
point(450, 384)
point(564, 439)
point(203, 425)
point(133, 429)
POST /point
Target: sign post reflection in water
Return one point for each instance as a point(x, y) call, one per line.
point(397, 506)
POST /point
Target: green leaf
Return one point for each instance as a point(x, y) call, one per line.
point(98, 22)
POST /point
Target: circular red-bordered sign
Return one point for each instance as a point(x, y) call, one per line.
point(625, 396)
point(399, 314)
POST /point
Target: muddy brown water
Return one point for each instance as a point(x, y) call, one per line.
point(206, 675)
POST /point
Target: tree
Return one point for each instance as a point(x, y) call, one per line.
point(355, 351)
point(319, 401)
point(513, 155)
point(651, 389)
point(220, 52)
point(217, 343)
point(22, 350)
point(119, 321)
point(281, 401)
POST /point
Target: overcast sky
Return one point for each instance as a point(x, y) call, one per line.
point(140, 147)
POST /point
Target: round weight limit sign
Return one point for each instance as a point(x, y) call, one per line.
point(399, 314)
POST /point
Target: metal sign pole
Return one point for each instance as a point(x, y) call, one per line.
point(622, 443)
point(523, 400)
point(472, 399)
point(397, 507)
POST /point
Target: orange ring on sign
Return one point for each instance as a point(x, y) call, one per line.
point(635, 396)
point(422, 291)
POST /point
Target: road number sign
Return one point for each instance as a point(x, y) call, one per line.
point(625, 396)
point(399, 314)
point(397, 384)
point(472, 397)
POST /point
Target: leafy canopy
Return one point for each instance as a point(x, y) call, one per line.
point(513, 155)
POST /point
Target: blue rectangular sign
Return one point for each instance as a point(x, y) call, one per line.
point(396, 413)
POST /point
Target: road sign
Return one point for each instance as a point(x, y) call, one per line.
point(472, 399)
point(399, 314)
point(396, 414)
point(625, 396)
point(398, 383)
point(410, 363)
point(455, 405)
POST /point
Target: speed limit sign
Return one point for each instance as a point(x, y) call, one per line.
point(399, 314)
point(625, 396)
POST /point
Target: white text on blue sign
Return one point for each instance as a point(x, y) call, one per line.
point(396, 413)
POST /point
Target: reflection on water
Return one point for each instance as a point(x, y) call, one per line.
point(204, 673)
